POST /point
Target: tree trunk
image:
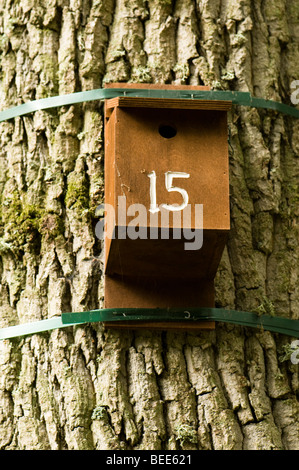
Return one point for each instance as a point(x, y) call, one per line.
point(86, 387)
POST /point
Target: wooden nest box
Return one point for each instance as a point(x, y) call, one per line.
point(167, 180)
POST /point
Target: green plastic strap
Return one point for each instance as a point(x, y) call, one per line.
point(32, 328)
point(236, 97)
point(280, 325)
point(275, 324)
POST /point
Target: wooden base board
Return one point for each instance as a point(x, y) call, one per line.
point(137, 292)
point(161, 326)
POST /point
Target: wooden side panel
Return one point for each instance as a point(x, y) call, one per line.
point(110, 192)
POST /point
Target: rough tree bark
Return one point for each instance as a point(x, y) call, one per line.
point(91, 388)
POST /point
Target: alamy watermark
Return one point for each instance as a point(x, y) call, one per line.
point(290, 352)
point(295, 353)
point(159, 222)
point(295, 94)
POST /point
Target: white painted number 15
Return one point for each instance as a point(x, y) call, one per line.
point(169, 176)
